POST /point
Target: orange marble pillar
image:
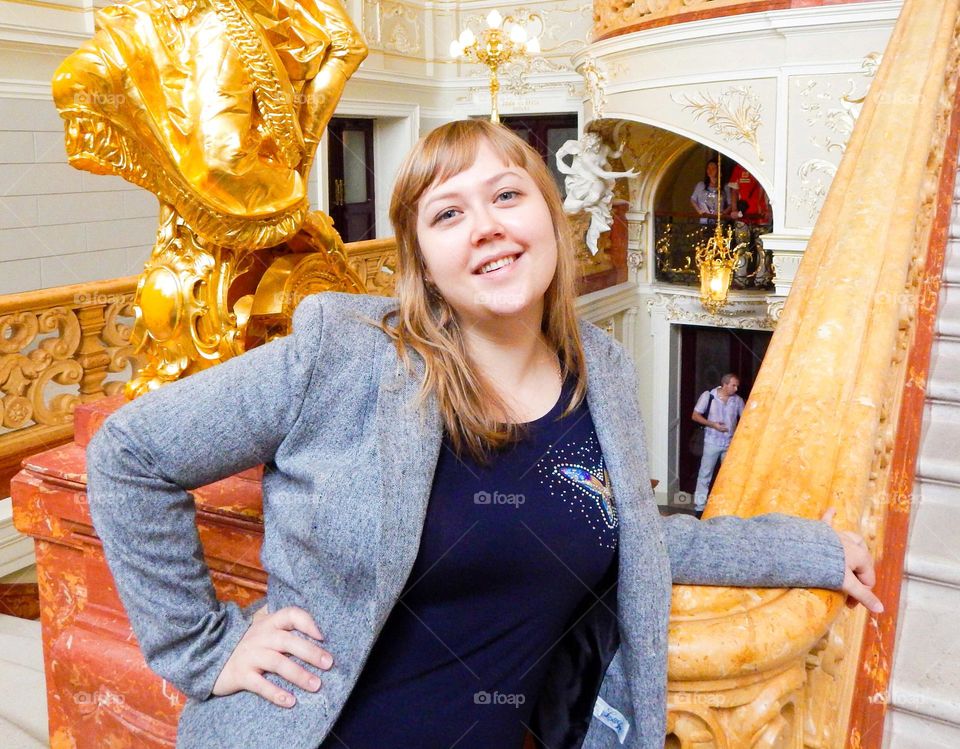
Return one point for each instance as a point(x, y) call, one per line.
point(100, 691)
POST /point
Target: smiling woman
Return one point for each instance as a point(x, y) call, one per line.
point(465, 568)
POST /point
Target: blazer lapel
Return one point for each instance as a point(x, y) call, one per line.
point(409, 448)
point(604, 393)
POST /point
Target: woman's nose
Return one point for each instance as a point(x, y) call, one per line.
point(486, 226)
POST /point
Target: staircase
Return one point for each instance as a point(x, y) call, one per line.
point(925, 686)
point(23, 696)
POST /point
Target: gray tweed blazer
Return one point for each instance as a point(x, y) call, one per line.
point(349, 468)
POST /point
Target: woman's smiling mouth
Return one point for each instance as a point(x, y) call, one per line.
point(495, 265)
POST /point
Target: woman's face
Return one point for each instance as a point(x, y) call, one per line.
point(712, 171)
point(487, 241)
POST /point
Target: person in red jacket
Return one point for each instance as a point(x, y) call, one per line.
point(749, 206)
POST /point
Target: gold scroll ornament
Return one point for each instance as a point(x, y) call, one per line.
point(217, 107)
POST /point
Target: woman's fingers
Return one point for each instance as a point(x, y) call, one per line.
point(282, 666)
point(306, 651)
point(861, 562)
point(281, 640)
point(257, 684)
point(265, 646)
point(292, 617)
point(859, 574)
point(859, 592)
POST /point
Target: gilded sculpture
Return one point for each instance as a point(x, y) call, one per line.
point(217, 107)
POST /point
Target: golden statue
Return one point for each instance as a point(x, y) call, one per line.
point(217, 107)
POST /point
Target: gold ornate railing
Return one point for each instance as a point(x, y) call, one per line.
point(71, 344)
point(779, 668)
point(615, 17)
point(58, 347)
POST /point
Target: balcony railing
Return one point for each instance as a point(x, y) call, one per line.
point(677, 234)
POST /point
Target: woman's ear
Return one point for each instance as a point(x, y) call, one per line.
point(427, 278)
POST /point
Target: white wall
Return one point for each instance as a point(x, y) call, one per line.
point(59, 225)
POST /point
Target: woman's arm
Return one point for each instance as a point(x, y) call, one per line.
point(695, 197)
point(141, 463)
point(771, 550)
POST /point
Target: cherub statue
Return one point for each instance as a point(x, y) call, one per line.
point(589, 183)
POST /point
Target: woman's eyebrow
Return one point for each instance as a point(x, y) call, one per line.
point(501, 175)
point(440, 196)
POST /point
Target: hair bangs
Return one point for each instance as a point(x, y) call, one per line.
point(447, 153)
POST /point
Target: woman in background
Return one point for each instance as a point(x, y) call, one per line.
point(706, 193)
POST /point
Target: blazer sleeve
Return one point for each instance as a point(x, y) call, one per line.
point(141, 464)
point(773, 550)
point(767, 551)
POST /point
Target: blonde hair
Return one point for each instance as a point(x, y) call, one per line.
point(424, 320)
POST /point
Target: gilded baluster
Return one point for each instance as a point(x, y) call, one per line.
point(217, 107)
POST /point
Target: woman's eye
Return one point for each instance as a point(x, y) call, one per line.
point(445, 215)
point(507, 195)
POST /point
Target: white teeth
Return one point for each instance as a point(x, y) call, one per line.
point(494, 264)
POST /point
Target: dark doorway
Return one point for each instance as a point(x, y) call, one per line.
point(351, 178)
point(546, 133)
point(706, 354)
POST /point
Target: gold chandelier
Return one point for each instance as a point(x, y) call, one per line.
point(495, 47)
point(716, 258)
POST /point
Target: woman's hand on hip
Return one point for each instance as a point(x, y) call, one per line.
point(264, 647)
point(859, 576)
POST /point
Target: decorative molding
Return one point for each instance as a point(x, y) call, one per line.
point(775, 308)
point(36, 36)
point(785, 266)
point(604, 303)
point(636, 225)
point(431, 83)
point(594, 74)
point(686, 309)
point(735, 114)
point(348, 107)
point(19, 89)
point(399, 27)
point(768, 23)
point(817, 173)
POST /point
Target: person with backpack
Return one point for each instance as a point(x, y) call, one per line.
point(717, 411)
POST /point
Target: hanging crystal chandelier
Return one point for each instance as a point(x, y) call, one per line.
point(716, 257)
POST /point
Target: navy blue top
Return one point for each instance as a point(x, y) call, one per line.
point(508, 553)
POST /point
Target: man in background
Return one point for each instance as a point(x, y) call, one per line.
point(718, 411)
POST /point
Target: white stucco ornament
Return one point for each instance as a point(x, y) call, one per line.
point(589, 182)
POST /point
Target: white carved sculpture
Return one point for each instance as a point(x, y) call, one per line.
point(589, 183)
